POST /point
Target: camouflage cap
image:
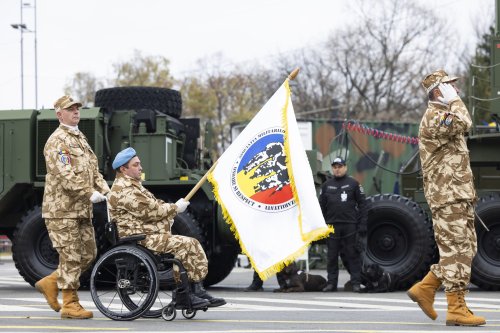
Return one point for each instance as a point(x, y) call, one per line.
point(65, 102)
point(432, 80)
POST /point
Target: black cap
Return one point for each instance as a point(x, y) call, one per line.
point(338, 160)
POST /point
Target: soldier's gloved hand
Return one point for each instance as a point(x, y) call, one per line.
point(448, 91)
point(181, 205)
point(97, 197)
point(362, 231)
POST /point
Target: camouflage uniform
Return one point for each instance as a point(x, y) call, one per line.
point(137, 211)
point(72, 176)
point(449, 190)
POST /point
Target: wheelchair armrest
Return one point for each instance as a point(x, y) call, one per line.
point(133, 238)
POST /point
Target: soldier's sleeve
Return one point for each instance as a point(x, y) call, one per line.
point(100, 184)
point(143, 207)
point(454, 121)
point(322, 200)
point(58, 162)
point(360, 197)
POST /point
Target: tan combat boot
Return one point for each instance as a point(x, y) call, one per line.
point(71, 308)
point(458, 312)
point(48, 287)
point(423, 293)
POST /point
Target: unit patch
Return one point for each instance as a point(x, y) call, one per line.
point(446, 119)
point(65, 158)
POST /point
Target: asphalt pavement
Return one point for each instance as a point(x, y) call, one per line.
point(23, 309)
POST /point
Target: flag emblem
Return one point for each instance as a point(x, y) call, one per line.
point(260, 177)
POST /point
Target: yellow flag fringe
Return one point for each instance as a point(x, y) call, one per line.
point(315, 234)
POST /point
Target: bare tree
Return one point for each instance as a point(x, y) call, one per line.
point(143, 71)
point(83, 86)
point(384, 57)
point(222, 94)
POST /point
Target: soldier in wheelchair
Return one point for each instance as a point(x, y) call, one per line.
point(136, 211)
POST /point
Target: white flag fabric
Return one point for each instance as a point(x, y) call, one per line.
point(265, 187)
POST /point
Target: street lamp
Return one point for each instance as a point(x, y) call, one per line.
point(24, 29)
point(21, 27)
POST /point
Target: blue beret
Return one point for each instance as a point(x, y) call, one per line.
point(123, 157)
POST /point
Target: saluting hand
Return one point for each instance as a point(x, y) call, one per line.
point(448, 93)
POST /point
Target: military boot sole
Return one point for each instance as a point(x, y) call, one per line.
point(216, 303)
point(201, 306)
point(69, 316)
point(456, 323)
point(56, 307)
point(415, 299)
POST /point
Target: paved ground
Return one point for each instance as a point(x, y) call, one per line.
point(23, 309)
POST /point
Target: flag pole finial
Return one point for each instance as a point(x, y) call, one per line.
point(294, 73)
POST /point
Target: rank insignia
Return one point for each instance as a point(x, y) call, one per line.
point(65, 158)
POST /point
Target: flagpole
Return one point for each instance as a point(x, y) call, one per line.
point(294, 73)
point(200, 182)
point(191, 193)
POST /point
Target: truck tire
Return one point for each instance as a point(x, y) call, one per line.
point(219, 266)
point(400, 238)
point(486, 263)
point(164, 100)
point(32, 249)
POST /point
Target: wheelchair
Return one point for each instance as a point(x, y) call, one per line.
point(130, 281)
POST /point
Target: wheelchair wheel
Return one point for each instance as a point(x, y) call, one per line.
point(166, 284)
point(162, 300)
point(188, 314)
point(124, 283)
point(168, 313)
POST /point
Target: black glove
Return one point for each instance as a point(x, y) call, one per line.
point(362, 230)
point(360, 243)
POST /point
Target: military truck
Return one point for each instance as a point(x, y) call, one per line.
point(174, 155)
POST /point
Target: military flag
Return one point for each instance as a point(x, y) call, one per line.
point(265, 186)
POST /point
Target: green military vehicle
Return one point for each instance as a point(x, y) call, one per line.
point(172, 152)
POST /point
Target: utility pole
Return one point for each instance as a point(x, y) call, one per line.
point(23, 29)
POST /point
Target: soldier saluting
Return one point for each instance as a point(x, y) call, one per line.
point(72, 184)
point(449, 190)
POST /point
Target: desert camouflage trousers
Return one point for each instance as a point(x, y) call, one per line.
point(186, 249)
point(457, 243)
point(74, 240)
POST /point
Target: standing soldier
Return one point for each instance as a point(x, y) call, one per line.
point(343, 202)
point(449, 190)
point(72, 184)
point(137, 211)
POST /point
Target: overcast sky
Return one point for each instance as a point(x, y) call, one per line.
point(90, 35)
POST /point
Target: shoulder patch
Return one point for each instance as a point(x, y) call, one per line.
point(446, 119)
point(64, 157)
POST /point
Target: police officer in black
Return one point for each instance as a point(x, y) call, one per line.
point(343, 202)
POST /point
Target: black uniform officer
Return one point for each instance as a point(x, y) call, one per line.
point(342, 201)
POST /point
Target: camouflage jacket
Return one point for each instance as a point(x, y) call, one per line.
point(444, 154)
point(72, 175)
point(136, 210)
